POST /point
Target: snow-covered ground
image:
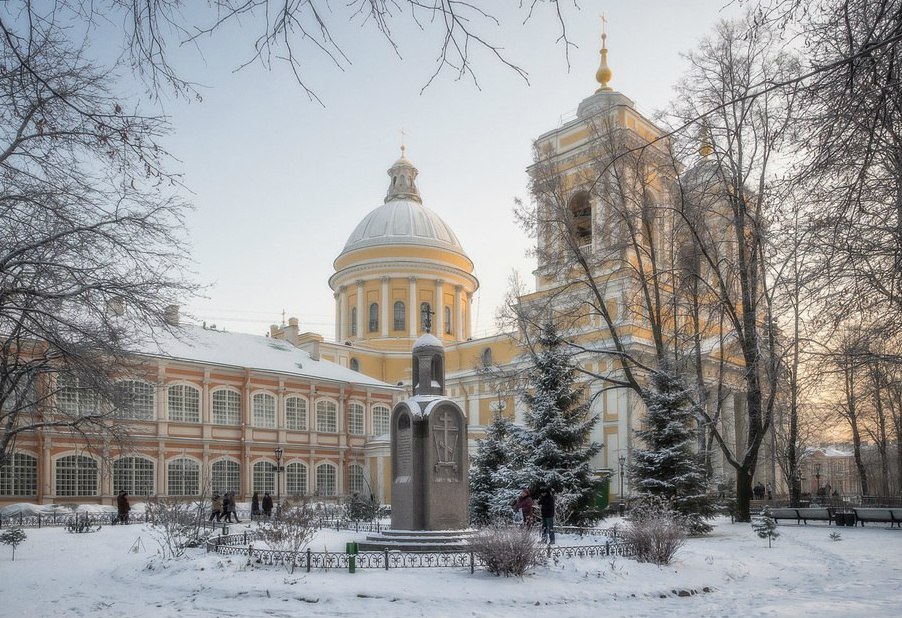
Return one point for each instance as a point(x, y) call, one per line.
point(116, 572)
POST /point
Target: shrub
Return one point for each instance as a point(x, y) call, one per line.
point(765, 526)
point(656, 531)
point(81, 525)
point(13, 537)
point(176, 525)
point(290, 531)
point(507, 550)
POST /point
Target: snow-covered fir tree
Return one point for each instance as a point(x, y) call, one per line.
point(558, 444)
point(765, 526)
point(668, 466)
point(494, 477)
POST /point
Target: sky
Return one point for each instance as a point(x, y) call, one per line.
point(811, 570)
point(278, 181)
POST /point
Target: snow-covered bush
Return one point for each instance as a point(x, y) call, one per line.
point(13, 537)
point(81, 524)
point(656, 530)
point(507, 550)
point(765, 526)
point(176, 525)
point(290, 531)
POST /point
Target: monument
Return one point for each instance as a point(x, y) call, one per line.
point(430, 493)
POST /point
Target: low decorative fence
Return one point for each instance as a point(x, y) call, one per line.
point(241, 545)
point(65, 519)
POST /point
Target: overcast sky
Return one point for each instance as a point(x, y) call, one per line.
point(279, 182)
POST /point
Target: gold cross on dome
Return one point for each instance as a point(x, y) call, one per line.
point(604, 20)
point(403, 146)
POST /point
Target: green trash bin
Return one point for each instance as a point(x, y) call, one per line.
point(351, 549)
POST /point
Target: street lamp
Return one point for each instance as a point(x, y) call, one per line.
point(279, 452)
point(621, 460)
point(817, 476)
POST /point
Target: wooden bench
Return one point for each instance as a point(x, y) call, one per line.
point(813, 513)
point(879, 515)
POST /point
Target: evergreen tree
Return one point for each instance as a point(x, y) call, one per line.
point(558, 446)
point(669, 466)
point(494, 484)
point(765, 526)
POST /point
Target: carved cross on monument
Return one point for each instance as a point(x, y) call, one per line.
point(427, 317)
point(445, 436)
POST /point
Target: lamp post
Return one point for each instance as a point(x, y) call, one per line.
point(621, 460)
point(279, 452)
point(817, 476)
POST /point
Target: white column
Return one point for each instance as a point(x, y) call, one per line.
point(458, 313)
point(337, 297)
point(468, 330)
point(343, 318)
point(413, 306)
point(439, 313)
point(360, 309)
point(386, 302)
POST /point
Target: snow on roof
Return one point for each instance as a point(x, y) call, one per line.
point(427, 340)
point(198, 344)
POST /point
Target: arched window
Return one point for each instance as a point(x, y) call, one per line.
point(296, 479)
point(355, 418)
point(326, 416)
point(19, 476)
point(183, 477)
point(264, 410)
point(76, 475)
point(296, 413)
point(355, 364)
point(134, 400)
point(380, 420)
point(226, 476)
point(74, 397)
point(400, 315)
point(135, 475)
point(264, 477)
point(487, 357)
point(356, 479)
point(581, 213)
point(184, 404)
point(447, 320)
point(425, 315)
point(374, 317)
point(353, 324)
point(325, 480)
point(226, 407)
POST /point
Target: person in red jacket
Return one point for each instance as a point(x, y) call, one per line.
point(523, 505)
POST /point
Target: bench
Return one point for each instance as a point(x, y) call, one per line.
point(879, 515)
point(802, 514)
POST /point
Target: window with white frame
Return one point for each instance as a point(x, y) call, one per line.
point(355, 364)
point(264, 410)
point(296, 413)
point(183, 475)
point(356, 479)
point(264, 478)
point(381, 416)
point(226, 476)
point(19, 475)
point(76, 475)
point(325, 480)
point(353, 321)
point(326, 416)
point(225, 407)
point(74, 397)
point(355, 418)
point(21, 390)
point(447, 320)
point(374, 317)
point(135, 400)
point(134, 475)
point(184, 404)
point(296, 479)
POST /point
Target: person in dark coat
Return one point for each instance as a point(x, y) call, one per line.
point(216, 508)
point(523, 505)
point(255, 506)
point(546, 505)
point(122, 506)
point(229, 508)
point(267, 504)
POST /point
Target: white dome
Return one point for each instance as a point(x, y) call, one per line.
point(403, 222)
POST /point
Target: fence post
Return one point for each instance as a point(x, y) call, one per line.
point(245, 537)
point(308, 559)
point(472, 563)
point(385, 553)
point(607, 548)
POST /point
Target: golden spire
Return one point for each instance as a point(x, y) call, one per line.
point(706, 142)
point(603, 74)
point(403, 147)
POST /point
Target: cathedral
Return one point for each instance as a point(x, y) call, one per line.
point(294, 414)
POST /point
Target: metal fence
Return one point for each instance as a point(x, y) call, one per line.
point(241, 545)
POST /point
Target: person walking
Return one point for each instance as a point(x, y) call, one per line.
point(546, 506)
point(122, 506)
point(523, 506)
point(216, 508)
point(255, 506)
point(228, 507)
point(267, 504)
